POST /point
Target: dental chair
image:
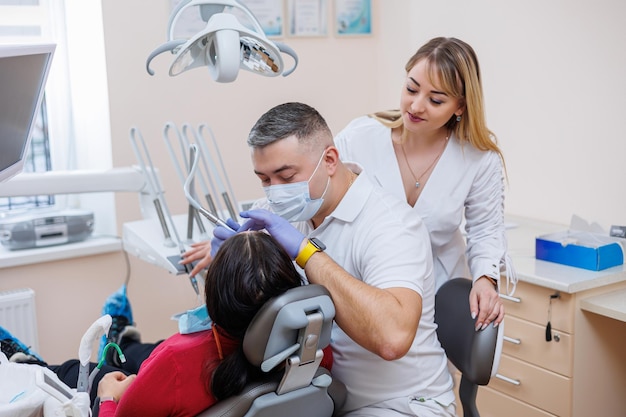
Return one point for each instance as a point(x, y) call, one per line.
point(288, 333)
point(476, 354)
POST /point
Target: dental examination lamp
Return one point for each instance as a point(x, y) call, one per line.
point(225, 45)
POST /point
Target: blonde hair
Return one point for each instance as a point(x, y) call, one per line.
point(455, 64)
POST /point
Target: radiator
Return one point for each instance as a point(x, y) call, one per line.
point(17, 315)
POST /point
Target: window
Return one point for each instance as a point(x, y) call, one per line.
point(38, 160)
point(75, 132)
point(23, 21)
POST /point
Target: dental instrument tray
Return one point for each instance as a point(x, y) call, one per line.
point(35, 229)
point(581, 249)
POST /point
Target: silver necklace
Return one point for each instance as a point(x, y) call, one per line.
point(432, 164)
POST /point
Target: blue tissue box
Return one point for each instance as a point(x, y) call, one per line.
point(580, 249)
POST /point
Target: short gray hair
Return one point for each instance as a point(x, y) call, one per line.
point(290, 119)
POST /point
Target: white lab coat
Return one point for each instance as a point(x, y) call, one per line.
point(466, 184)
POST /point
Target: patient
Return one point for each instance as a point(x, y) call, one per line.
point(186, 374)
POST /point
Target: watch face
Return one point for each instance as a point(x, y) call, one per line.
point(317, 243)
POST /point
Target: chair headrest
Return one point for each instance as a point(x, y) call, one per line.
point(275, 327)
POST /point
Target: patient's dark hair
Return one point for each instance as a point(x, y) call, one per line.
point(248, 270)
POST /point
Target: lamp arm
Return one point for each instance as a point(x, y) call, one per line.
point(174, 16)
point(207, 9)
point(167, 46)
point(253, 19)
point(286, 49)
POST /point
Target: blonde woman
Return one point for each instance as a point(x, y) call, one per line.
point(437, 153)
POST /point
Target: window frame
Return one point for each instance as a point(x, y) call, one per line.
point(80, 138)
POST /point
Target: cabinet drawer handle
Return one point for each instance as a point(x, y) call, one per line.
point(509, 298)
point(511, 340)
point(507, 379)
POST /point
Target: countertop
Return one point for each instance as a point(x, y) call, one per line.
point(521, 234)
point(611, 304)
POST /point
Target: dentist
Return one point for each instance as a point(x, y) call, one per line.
point(368, 249)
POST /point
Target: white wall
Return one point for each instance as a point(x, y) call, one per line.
point(553, 74)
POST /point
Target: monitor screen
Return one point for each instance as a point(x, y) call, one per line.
point(23, 73)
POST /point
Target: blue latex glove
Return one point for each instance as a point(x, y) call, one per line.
point(288, 236)
point(221, 233)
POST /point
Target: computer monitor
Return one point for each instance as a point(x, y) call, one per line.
point(23, 74)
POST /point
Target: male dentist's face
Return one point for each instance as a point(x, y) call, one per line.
point(285, 161)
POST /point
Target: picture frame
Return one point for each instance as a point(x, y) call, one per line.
point(352, 17)
point(307, 18)
point(270, 14)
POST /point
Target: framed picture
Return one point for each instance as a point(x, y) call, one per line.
point(353, 17)
point(269, 13)
point(308, 17)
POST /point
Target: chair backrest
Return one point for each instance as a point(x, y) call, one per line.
point(474, 353)
point(290, 332)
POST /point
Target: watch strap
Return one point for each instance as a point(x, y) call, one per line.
point(306, 253)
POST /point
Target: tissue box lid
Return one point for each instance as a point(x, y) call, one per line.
point(580, 249)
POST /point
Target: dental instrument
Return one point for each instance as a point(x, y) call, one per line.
point(209, 165)
point(192, 278)
point(183, 143)
point(224, 45)
point(158, 191)
point(192, 213)
point(188, 189)
point(215, 203)
point(227, 195)
point(152, 184)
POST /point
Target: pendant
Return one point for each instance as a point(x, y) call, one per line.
point(417, 184)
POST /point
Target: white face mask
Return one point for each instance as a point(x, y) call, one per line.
point(293, 201)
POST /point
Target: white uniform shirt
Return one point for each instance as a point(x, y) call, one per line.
point(378, 239)
point(465, 182)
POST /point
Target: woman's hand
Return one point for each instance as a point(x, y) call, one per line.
point(485, 303)
point(114, 384)
point(200, 252)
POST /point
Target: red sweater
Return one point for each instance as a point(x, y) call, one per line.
point(173, 380)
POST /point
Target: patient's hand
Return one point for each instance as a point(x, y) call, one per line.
point(201, 252)
point(114, 384)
